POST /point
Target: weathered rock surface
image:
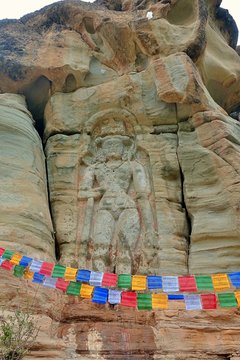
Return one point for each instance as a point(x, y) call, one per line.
point(142, 166)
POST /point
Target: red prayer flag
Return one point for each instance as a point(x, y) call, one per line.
point(7, 265)
point(209, 301)
point(109, 279)
point(2, 251)
point(129, 299)
point(46, 269)
point(187, 283)
point(61, 284)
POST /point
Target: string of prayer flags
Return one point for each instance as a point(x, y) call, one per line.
point(109, 279)
point(144, 301)
point(154, 282)
point(124, 281)
point(114, 297)
point(74, 288)
point(83, 275)
point(227, 300)
point(49, 282)
point(86, 291)
point(38, 278)
point(96, 278)
point(193, 302)
point(16, 258)
point(70, 274)
point(7, 254)
point(58, 271)
point(61, 284)
point(6, 265)
point(170, 284)
point(187, 283)
point(139, 282)
point(129, 299)
point(35, 265)
point(235, 279)
point(47, 268)
point(209, 301)
point(204, 282)
point(100, 295)
point(160, 301)
point(18, 271)
point(220, 282)
point(25, 261)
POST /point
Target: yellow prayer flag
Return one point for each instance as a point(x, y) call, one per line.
point(237, 295)
point(139, 282)
point(15, 260)
point(159, 301)
point(86, 291)
point(28, 274)
point(70, 274)
point(220, 282)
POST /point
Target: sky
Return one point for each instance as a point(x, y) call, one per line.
point(14, 9)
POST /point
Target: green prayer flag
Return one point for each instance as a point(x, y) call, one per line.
point(124, 281)
point(8, 254)
point(74, 288)
point(227, 300)
point(144, 301)
point(204, 282)
point(19, 271)
point(58, 271)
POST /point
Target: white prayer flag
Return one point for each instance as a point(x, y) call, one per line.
point(1, 260)
point(36, 265)
point(170, 283)
point(114, 296)
point(49, 282)
point(96, 278)
point(193, 302)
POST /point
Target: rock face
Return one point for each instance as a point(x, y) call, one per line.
point(139, 121)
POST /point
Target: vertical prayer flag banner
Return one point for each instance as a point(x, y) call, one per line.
point(2, 251)
point(237, 295)
point(16, 258)
point(25, 261)
point(74, 288)
point(49, 282)
point(28, 275)
point(100, 295)
point(129, 299)
point(139, 282)
point(114, 297)
point(124, 281)
point(204, 282)
point(193, 302)
point(7, 254)
point(38, 278)
point(58, 271)
point(170, 283)
point(209, 301)
point(19, 271)
point(144, 301)
point(6, 264)
point(220, 282)
point(187, 283)
point(109, 279)
point(86, 291)
point(159, 301)
point(227, 300)
point(70, 274)
point(46, 269)
point(83, 275)
point(61, 284)
point(96, 278)
point(35, 265)
point(235, 279)
point(154, 282)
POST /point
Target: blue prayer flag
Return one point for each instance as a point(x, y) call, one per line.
point(154, 282)
point(235, 279)
point(175, 297)
point(25, 261)
point(83, 275)
point(38, 278)
point(100, 295)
